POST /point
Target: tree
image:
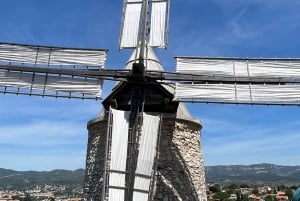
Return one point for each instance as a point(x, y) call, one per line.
point(255, 191)
point(28, 198)
point(233, 186)
point(293, 187)
point(16, 197)
point(289, 192)
point(238, 196)
point(268, 198)
point(281, 188)
point(222, 196)
point(215, 188)
point(244, 186)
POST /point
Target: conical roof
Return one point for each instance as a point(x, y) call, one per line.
point(151, 61)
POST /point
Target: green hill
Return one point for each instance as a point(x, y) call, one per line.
point(23, 179)
point(248, 174)
point(254, 174)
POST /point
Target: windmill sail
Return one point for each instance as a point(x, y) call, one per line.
point(118, 155)
point(240, 80)
point(115, 183)
point(147, 152)
point(43, 55)
point(132, 23)
point(159, 23)
point(132, 10)
point(17, 76)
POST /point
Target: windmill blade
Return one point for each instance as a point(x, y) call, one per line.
point(132, 11)
point(239, 94)
point(146, 158)
point(134, 21)
point(239, 81)
point(159, 23)
point(47, 55)
point(50, 85)
point(50, 71)
point(240, 67)
point(117, 156)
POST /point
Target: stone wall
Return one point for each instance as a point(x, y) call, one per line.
point(95, 160)
point(180, 169)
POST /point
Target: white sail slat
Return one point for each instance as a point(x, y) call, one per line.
point(148, 142)
point(116, 194)
point(239, 93)
point(54, 84)
point(139, 196)
point(119, 143)
point(130, 23)
point(270, 81)
point(50, 85)
point(240, 67)
point(159, 23)
point(147, 152)
point(34, 55)
point(119, 140)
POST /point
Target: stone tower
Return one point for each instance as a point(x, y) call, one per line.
point(179, 168)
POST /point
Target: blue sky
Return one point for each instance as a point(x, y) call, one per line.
point(46, 133)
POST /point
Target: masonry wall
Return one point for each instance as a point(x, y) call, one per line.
point(95, 160)
point(180, 169)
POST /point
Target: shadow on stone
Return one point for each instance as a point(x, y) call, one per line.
point(180, 169)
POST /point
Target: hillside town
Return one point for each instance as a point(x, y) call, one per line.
point(243, 192)
point(44, 192)
point(215, 192)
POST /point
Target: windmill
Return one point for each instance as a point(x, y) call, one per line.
point(227, 80)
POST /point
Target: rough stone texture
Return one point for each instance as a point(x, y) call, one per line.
point(95, 160)
point(180, 169)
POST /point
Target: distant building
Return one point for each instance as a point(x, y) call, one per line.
point(6, 197)
point(76, 199)
point(280, 196)
point(233, 197)
point(254, 197)
point(264, 189)
point(246, 191)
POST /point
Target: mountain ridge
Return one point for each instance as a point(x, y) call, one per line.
point(255, 174)
point(23, 179)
